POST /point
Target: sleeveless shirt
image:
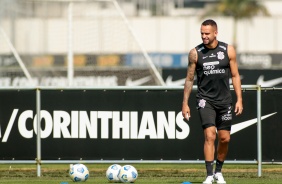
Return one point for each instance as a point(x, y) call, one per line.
point(213, 73)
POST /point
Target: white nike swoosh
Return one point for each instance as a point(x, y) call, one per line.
point(240, 126)
point(138, 82)
point(268, 83)
point(178, 82)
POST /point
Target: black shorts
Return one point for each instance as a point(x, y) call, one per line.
point(215, 115)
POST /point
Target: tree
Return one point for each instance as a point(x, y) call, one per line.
point(238, 9)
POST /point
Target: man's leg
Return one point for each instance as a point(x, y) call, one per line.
point(210, 136)
point(209, 148)
point(208, 119)
point(222, 148)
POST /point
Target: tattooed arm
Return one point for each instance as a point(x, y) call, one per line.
point(192, 60)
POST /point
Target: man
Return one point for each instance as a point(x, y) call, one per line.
point(214, 63)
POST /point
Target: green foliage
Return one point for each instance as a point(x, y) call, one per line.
point(238, 9)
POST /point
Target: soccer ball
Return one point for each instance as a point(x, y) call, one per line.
point(79, 172)
point(112, 173)
point(127, 174)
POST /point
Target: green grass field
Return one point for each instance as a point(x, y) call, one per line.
point(148, 174)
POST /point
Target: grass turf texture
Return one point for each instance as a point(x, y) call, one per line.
point(147, 173)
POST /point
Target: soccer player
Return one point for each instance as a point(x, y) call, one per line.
point(214, 62)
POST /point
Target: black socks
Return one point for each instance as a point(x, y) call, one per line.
point(218, 166)
point(209, 167)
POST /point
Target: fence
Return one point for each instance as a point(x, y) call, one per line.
point(150, 118)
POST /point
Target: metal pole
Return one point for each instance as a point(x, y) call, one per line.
point(17, 56)
point(154, 70)
point(70, 40)
point(38, 138)
point(259, 130)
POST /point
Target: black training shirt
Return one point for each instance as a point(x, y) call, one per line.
point(213, 73)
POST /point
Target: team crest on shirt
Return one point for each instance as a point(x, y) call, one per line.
point(202, 103)
point(220, 55)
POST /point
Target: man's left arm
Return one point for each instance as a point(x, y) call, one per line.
point(236, 81)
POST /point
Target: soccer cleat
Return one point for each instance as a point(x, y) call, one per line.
point(208, 180)
point(219, 178)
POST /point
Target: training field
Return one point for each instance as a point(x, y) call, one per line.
point(148, 174)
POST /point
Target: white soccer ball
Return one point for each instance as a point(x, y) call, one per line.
point(127, 174)
point(79, 172)
point(112, 173)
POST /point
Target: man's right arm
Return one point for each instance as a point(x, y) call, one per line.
point(192, 60)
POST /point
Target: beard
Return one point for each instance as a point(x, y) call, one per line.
point(208, 41)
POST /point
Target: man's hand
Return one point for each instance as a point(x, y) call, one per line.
point(238, 108)
point(186, 111)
